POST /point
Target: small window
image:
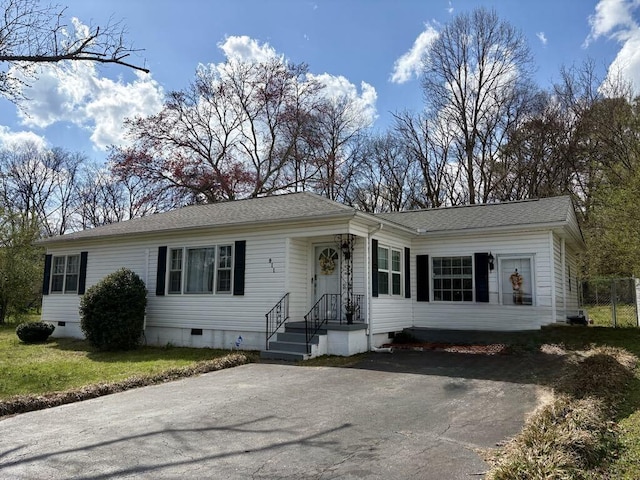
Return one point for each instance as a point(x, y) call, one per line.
point(175, 271)
point(453, 279)
point(224, 269)
point(65, 273)
point(396, 274)
point(389, 271)
point(383, 271)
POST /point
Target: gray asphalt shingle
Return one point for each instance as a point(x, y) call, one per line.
point(527, 212)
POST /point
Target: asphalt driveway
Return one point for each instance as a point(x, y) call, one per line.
point(406, 415)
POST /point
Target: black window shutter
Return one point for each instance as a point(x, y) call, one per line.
point(82, 280)
point(239, 261)
point(162, 270)
point(374, 268)
point(407, 272)
point(47, 274)
point(481, 274)
point(422, 278)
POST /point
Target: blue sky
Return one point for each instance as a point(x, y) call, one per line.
point(367, 47)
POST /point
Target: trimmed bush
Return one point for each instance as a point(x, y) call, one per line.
point(34, 332)
point(112, 311)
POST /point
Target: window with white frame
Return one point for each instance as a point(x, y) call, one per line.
point(516, 279)
point(175, 271)
point(389, 271)
point(223, 284)
point(195, 269)
point(65, 272)
point(453, 279)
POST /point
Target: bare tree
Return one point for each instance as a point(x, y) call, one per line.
point(476, 76)
point(388, 177)
point(42, 185)
point(32, 33)
point(339, 127)
point(239, 130)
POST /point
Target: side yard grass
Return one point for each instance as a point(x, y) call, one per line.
point(591, 428)
point(62, 369)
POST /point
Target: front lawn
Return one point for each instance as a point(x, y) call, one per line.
point(64, 364)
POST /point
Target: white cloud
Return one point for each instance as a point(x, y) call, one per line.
point(338, 88)
point(613, 19)
point(74, 92)
point(408, 65)
point(10, 140)
point(450, 8)
point(246, 49)
point(542, 37)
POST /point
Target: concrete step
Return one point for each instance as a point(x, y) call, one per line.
point(280, 355)
point(299, 327)
point(294, 337)
point(288, 346)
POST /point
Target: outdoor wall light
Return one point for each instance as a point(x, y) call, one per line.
point(490, 259)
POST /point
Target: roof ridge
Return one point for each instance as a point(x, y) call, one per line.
point(471, 205)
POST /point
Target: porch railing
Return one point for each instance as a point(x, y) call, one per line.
point(276, 317)
point(330, 308)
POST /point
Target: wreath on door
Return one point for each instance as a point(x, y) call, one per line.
point(327, 260)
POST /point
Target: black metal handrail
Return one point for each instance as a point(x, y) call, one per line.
point(276, 317)
point(358, 300)
point(328, 307)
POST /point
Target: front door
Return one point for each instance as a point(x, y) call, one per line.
point(327, 271)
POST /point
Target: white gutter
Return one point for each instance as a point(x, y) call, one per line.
point(367, 284)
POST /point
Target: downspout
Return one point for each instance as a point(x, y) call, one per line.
point(368, 285)
point(563, 263)
point(552, 265)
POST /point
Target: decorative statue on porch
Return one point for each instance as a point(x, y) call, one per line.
point(516, 284)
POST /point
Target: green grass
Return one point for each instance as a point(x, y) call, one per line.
point(601, 315)
point(62, 363)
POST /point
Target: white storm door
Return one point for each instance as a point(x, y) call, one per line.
point(326, 271)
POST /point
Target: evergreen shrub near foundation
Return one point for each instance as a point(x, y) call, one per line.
point(112, 311)
point(34, 332)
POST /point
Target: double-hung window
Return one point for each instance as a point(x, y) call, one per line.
point(65, 273)
point(453, 279)
point(195, 269)
point(389, 271)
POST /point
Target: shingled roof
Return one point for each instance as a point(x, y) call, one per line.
point(303, 205)
point(545, 211)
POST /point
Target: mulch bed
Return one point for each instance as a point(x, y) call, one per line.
point(491, 349)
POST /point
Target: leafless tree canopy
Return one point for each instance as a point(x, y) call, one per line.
point(33, 33)
point(476, 78)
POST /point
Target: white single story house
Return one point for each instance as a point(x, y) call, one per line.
point(302, 274)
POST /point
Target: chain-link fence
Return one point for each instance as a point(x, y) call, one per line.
point(611, 302)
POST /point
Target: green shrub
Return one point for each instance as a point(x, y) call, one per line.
point(34, 332)
point(112, 311)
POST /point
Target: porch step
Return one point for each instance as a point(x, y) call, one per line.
point(288, 346)
point(291, 345)
point(282, 355)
